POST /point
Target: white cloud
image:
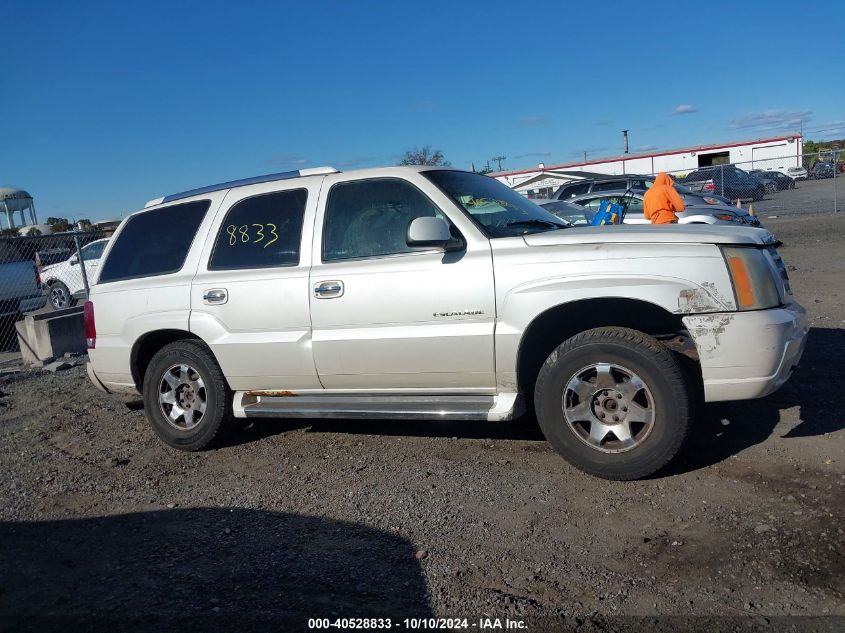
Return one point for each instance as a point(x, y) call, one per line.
point(685, 108)
point(532, 121)
point(287, 161)
point(772, 119)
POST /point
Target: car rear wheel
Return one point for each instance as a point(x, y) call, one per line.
point(614, 403)
point(186, 397)
point(60, 296)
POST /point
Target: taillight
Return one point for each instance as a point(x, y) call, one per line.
point(90, 328)
point(709, 186)
point(37, 276)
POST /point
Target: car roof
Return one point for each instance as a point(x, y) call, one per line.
point(285, 175)
point(605, 177)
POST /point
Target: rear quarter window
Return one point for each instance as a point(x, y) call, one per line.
point(154, 242)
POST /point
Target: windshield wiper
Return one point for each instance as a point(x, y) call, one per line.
point(538, 222)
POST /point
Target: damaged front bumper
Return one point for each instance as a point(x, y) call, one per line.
point(746, 355)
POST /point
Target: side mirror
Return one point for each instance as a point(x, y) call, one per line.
point(428, 231)
point(74, 260)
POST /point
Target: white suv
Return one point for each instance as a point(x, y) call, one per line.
point(434, 294)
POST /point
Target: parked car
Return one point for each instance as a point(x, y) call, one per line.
point(822, 170)
point(768, 182)
point(63, 283)
point(434, 294)
point(726, 180)
point(780, 181)
point(19, 288)
point(600, 182)
point(796, 173)
point(694, 213)
point(573, 214)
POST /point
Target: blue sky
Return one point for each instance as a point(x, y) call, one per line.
point(108, 105)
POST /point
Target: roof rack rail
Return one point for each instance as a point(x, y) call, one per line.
point(285, 175)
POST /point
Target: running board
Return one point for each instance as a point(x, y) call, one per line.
point(352, 406)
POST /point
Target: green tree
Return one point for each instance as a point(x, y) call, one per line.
point(58, 225)
point(424, 156)
point(32, 232)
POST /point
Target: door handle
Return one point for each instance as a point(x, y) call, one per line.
point(215, 296)
point(328, 289)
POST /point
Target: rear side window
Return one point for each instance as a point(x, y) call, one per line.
point(610, 185)
point(261, 232)
point(154, 242)
point(570, 191)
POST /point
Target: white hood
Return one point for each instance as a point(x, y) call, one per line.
point(651, 233)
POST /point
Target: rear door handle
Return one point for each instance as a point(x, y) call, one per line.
point(215, 296)
point(328, 289)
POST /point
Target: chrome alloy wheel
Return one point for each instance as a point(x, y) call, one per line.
point(182, 397)
point(608, 407)
point(59, 297)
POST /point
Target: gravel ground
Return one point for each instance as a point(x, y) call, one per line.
point(103, 527)
point(809, 196)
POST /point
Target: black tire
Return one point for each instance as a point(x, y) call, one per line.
point(666, 388)
point(59, 296)
point(216, 419)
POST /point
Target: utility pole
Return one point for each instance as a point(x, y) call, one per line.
point(625, 138)
point(499, 160)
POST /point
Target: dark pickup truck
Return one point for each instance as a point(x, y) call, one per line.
point(20, 288)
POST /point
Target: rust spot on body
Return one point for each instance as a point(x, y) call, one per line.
point(271, 393)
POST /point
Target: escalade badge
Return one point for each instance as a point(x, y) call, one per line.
point(458, 313)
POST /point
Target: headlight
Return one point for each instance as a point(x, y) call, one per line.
point(755, 286)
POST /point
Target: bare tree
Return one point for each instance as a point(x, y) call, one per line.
point(424, 156)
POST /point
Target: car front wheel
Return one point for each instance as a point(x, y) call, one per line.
point(60, 296)
point(614, 403)
point(186, 397)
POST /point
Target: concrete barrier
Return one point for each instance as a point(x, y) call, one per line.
point(48, 334)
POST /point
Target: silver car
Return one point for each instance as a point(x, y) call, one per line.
point(698, 210)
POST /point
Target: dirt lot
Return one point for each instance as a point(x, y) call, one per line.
point(101, 524)
point(809, 196)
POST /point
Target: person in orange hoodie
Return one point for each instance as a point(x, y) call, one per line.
point(661, 202)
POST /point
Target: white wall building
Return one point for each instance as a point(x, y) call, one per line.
point(766, 153)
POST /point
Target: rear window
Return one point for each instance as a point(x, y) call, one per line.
point(154, 242)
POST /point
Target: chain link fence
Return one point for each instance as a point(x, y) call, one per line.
point(44, 272)
point(783, 185)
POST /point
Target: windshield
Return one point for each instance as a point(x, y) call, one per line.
point(678, 187)
point(496, 208)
